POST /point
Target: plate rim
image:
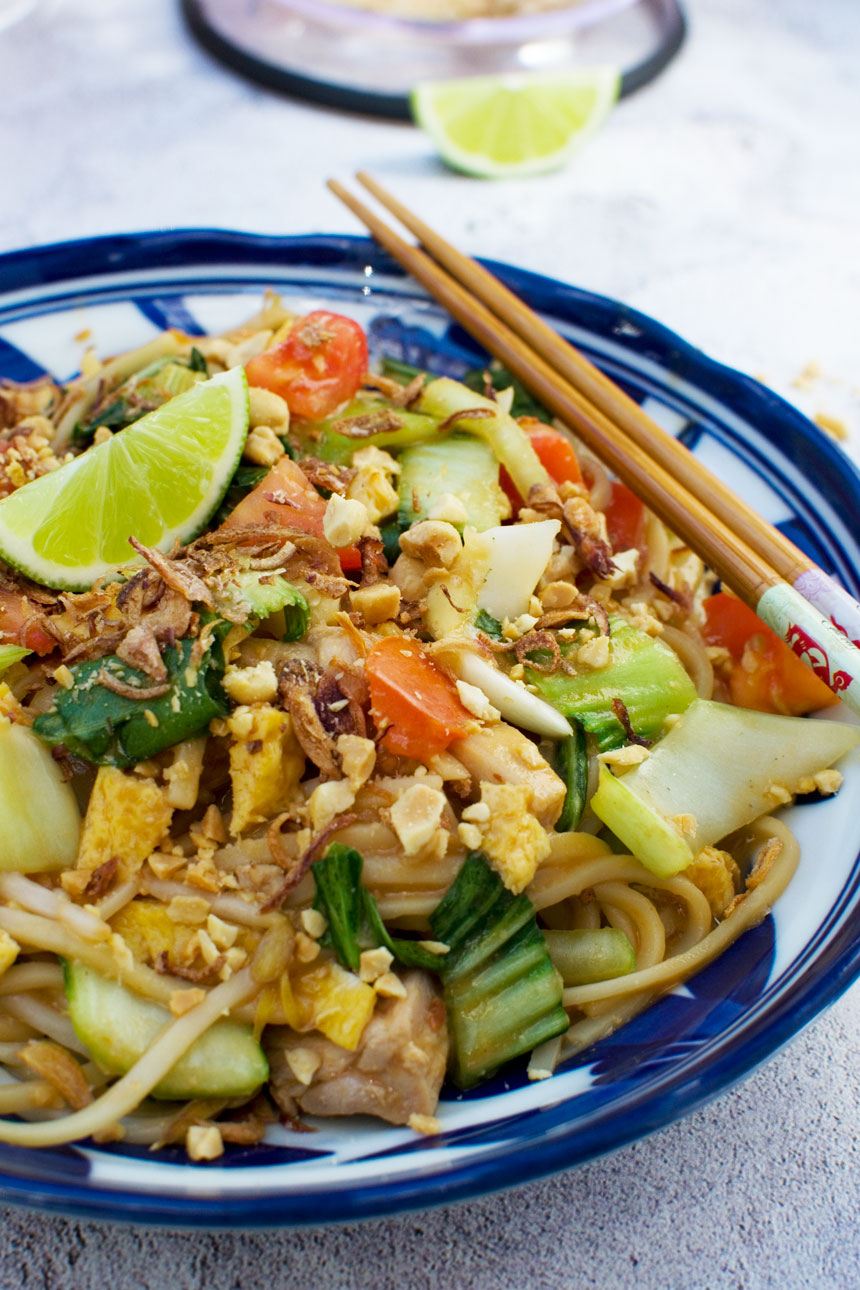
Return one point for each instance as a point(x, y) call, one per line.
point(830, 972)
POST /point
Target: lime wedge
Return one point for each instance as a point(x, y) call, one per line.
point(160, 480)
point(517, 124)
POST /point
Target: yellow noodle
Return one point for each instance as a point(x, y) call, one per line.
point(649, 938)
point(751, 910)
point(42, 1017)
point(36, 975)
point(693, 655)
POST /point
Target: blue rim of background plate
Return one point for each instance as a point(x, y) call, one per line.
point(825, 973)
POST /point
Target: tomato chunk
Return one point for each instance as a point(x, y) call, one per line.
point(764, 673)
point(555, 452)
point(16, 611)
point(287, 497)
point(625, 519)
point(414, 699)
point(318, 367)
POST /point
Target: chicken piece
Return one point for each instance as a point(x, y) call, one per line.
point(501, 754)
point(396, 1071)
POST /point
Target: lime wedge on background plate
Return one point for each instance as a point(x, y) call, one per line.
point(514, 124)
point(159, 480)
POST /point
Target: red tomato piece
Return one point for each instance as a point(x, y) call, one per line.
point(764, 673)
point(625, 518)
point(318, 367)
point(15, 610)
point(555, 452)
point(287, 497)
point(414, 699)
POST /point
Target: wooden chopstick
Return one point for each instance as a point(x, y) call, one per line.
point(597, 391)
point(737, 563)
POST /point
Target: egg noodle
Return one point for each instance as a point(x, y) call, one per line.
point(321, 798)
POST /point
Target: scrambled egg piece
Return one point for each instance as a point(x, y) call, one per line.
point(512, 838)
point(335, 1002)
point(127, 817)
point(266, 764)
point(717, 876)
point(149, 931)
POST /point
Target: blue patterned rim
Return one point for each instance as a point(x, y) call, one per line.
point(695, 1042)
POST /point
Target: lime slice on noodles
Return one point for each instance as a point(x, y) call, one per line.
point(159, 480)
point(515, 124)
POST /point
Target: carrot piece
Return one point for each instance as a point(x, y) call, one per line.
point(413, 699)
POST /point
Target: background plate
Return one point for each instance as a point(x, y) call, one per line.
point(695, 1041)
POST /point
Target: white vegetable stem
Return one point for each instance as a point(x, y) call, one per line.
point(519, 553)
point(443, 398)
point(516, 704)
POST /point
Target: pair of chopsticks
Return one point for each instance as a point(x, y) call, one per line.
point(806, 607)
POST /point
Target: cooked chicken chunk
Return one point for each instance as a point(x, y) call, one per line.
point(501, 754)
point(396, 1071)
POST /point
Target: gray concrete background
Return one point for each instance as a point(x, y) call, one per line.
point(723, 201)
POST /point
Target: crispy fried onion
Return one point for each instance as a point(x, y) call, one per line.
point(322, 706)
point(101, 878)
point(534, 642)
point(140, 650)
point(367, 424)
point(580, 526)
point(619, 708)
point(374, 565)
point(324, 474)
point(126, 691)
point(315, 741)
point(681, 598)
point(470, 414)
point(300, 866)
point(58, 1067)
point(176, 574)
point(400, 395)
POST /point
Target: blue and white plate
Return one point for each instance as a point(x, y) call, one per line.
point(692, 1044)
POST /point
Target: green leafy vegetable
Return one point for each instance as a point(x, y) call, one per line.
point(571, 762)
point(354, 922)
point(11, 654)
point(643, 673)
point(489, 625)
point(583, 955)
point(270, 593)
point(197, 362)
point(458, 464)
point(390, 534)
point(502, 992)
point(328, 444)
point(94, 722)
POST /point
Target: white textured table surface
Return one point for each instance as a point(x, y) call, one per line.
point(724, 201)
